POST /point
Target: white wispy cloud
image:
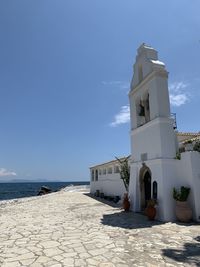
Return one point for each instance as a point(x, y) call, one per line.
point(119, 84)
point(4, 172)
point(178, 100)
point(177, 94)
point(122, 117)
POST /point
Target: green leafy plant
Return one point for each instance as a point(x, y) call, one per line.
point(197, 146)
point(188, 142)
point(178, 156)
point(124, 171)
point(182, 194)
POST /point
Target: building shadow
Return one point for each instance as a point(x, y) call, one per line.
point(104, 201)
point(128, 220)
point(122, 219)
point(190, 253)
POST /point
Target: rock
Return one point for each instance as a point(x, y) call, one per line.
point(44, 190)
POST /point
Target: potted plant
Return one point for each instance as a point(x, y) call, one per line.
point(125, 176)
point(97, 194)
point(183, 210)
point(150, 210)
point(126, 202)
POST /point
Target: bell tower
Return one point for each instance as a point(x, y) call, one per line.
point(152, 133)
point(153, 139)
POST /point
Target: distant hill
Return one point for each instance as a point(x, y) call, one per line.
point(26, 181)
point(37, 181)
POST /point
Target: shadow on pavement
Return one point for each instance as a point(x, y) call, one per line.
point(104, 201)
point(190, 253)
point(122, 219)
point(128, 220)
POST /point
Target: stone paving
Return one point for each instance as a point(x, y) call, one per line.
point(73, 229)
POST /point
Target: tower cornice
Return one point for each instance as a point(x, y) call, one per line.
point(159, 73)
point(152, 123)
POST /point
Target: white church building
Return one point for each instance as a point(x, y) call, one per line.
point(154, 166)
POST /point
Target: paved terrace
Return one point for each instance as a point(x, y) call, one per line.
point(73, 229)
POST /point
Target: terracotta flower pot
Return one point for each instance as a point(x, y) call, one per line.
point(126, 203)
point(151, 213)
point(183, 211)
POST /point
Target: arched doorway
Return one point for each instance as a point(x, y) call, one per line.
point(145, 186)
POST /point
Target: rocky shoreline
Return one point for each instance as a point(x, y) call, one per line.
point(70, 188)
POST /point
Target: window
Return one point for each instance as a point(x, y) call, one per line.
point(155, 190)
point(96, 175)
point(104, 171)
point(92, 175)
point(116, 169)
point(99, 171)
point(110, 170)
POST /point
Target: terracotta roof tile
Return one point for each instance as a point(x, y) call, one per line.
point(197, 138)
point(188, 133)
point(108, 162)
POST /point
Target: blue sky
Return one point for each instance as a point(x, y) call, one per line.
point(65, 70)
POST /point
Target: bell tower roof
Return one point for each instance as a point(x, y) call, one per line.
point(147, 51)
point(146, 63)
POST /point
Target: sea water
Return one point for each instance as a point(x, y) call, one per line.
point(19, 190)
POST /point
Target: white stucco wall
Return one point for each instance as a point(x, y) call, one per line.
point(165, 181)
point(156, 138)
point(110, 186)
point(189, 173)
point(169, 173)
point(110, 183)
point(159, 97)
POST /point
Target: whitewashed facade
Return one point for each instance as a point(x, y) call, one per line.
point(106, 178)
point(154, 144)
point(155, 168)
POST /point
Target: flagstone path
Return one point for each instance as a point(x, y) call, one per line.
point(73, 229)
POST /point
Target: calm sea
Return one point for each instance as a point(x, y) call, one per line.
point(18, 190)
